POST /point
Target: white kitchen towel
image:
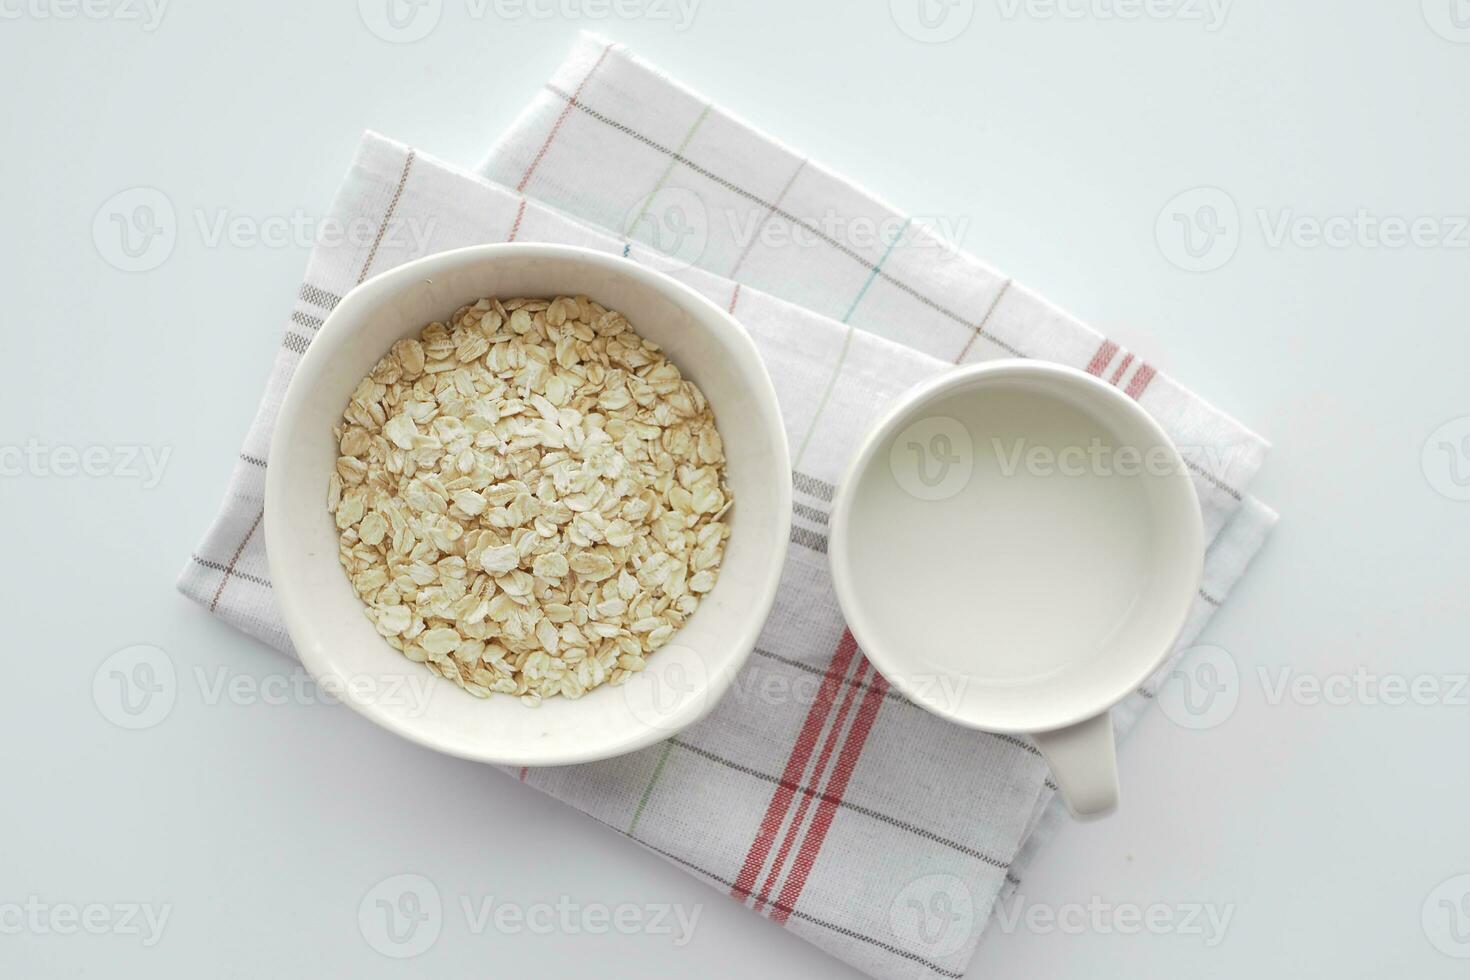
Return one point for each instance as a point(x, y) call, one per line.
point(619, 145)
point(812, 792)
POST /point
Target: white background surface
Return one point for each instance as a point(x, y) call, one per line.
point(1055, 141)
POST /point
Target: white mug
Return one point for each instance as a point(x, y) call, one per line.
point(1015, 548)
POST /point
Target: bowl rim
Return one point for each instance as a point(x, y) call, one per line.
point(296, 609)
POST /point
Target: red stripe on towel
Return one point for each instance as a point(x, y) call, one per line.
point(801, 751)
point(1102, 358)
point(1141, 378)
point(852, 749)
point(814, 786)
point(556, 126)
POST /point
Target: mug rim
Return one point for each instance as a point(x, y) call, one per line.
point(903, 411)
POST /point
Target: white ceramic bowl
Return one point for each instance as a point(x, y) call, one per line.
point(341, 648)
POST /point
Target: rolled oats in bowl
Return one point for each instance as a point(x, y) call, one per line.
point(530, 497)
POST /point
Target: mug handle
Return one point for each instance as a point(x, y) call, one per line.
point(1084, 762)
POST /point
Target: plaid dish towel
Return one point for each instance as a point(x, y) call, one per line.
point(837, 809)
